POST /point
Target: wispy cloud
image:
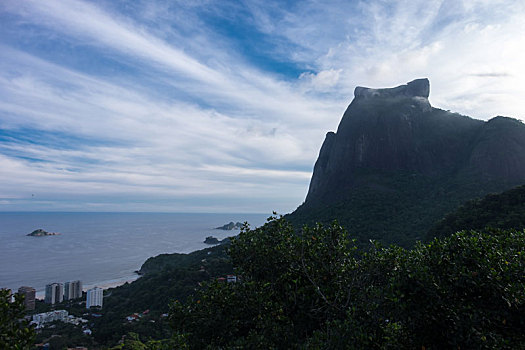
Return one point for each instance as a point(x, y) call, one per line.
point(222, 106)
point(147, 145)
point(491, 75)
point(459, 45)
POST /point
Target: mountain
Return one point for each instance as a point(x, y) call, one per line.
point(396, 165)
point(503, 210)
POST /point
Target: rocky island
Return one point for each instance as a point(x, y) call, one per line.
point(215, 240)
point(41, 233)
point(212, 240)
point(230, 226)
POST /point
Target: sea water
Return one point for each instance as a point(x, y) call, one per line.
point(99, 248)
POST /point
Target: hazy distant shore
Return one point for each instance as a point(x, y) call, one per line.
point(104, 285)
point(100, 249)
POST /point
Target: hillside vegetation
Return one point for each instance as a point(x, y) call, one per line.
point(318, 291)
point(167, 277)
point(393, 208)
point(505, 210)
point(313, 290)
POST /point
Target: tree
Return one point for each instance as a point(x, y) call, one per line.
point(316, 290)
point(132, 341)
point(291, 286)
point(15, 332)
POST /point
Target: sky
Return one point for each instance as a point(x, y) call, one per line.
point(222, 106)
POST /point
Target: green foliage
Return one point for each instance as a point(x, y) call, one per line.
point(167, 277)
point(392, 207)
point(288, 290)
point(161, 262)
point(60, 335)
point(276, 303)
point(505, 210)
point(465, 291)
point(132, 341)
point(15, 332)
point(316, 290)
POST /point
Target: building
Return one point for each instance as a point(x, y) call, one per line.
point(94, 297)
point(231, 278)
point(54, 293)
point(73, 290)
point(29, 294)
point(75, 320)
point(47, 317)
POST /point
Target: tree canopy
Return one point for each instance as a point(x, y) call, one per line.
point(15, 332)
point(503, 210)
point(316, 290)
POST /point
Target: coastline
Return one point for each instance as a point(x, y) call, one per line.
point(40, 294)
point(99, 249)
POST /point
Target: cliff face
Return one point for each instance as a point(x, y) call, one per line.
point(397, 130)
point(499, 151)
point(395, 133)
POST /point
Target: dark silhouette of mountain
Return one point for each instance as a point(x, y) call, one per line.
point(503, 210)
point(396, 165)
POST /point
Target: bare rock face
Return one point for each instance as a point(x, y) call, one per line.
point(396, 129)
point(416, 88)
point(499, 151)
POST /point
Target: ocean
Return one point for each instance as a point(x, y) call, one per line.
point(99, 248)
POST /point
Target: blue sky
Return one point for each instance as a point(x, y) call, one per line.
point(222, 106)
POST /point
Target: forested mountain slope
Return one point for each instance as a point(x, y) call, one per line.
point(397, 165)
point(504, 210)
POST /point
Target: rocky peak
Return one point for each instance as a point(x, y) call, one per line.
point(396, 164)
point(415, 88)
point(397, 130)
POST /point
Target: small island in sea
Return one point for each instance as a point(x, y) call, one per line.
point(41, 233)
point(215, 240)
point(230, 226)
point(212, 240)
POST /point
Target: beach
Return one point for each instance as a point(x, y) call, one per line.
point(40, 294)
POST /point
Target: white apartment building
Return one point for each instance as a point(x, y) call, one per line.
point(94, 297)
point(47, 317)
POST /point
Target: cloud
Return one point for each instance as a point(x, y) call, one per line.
point(491, 74)
point(324, 80)
point(222, 106)
point(240, 86)
point(129, 142)
point(382, 44)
